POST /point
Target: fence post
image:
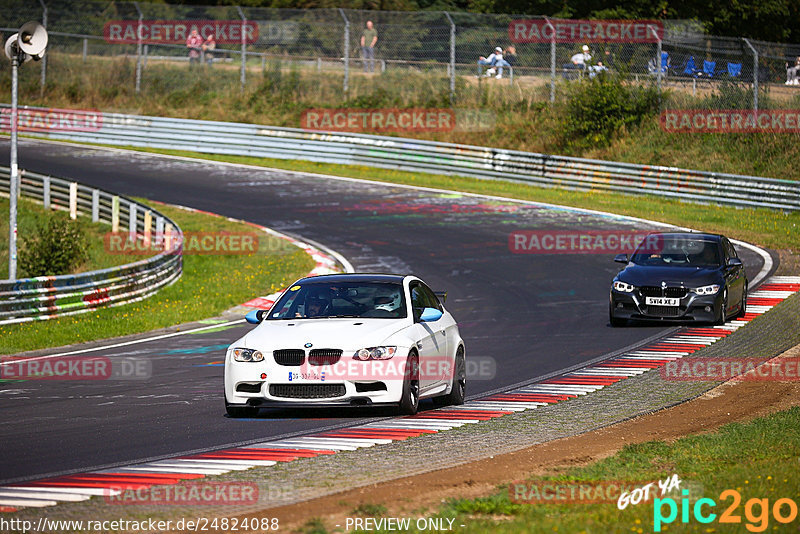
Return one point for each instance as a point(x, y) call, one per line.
point(159, 230)
point(73, 200)
point(115, 214)
point(131, 221)
point(552, 60)
point(138, 48)
point(44, 59)
point(85, 48)
point(148, 223)
point(452, 57)
point(755, 74)
point(46, 192)
point(144, 58)
point(243, 69)
point(346, 86)
point(658, 61)
point(95, 205)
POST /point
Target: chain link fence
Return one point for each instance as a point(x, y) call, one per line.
point(437, 54)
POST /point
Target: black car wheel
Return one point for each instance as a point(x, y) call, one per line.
point(723, 309)
point(409, 402)
point(459, 386)
point(743, 304)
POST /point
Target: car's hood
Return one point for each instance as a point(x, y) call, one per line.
point(639, 275)
point(342, 333)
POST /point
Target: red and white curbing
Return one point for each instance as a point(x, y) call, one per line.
point(78, 487)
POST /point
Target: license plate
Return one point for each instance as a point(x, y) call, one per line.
point(661, 301)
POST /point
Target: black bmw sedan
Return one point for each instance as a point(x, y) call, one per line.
point(679, 276)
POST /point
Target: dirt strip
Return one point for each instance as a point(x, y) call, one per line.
point(734, 401)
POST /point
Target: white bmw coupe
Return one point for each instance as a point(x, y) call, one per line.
point(348, 340)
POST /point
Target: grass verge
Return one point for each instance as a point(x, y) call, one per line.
point(739, 456)
point(209, 285)
point(764, 227)
point(31, 216)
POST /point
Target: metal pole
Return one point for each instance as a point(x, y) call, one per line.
point(452, 57)
point(755, 74)
point(242, 70)
point(12, 187)
point(346, 86)
point(43, 81)
point(138, 48)
point(552, 60)
point(658, 60)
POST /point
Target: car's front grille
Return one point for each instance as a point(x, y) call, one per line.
point(289, 356)
point(324, 356)
point(306, 391)
point(249, 388)
point(663, 311)
point(671, 292)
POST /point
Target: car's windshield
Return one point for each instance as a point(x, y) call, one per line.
point(677, 251)
point(321, 300)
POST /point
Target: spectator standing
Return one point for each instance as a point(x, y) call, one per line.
point(194, 43)
point(209, 45)
point(793, 72)
point(368, 41)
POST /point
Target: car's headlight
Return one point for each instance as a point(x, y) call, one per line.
point(247, 355)
point(375, 353)
point(623, 287)
point(706, 290)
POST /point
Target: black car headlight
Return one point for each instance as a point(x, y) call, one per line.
point(623, 287)
point(706, 290)
point(375, 353)
point(247, 355)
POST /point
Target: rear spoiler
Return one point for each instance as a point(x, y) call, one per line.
point(441, 295)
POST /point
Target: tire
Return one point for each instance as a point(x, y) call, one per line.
point(743, 304)
point(459, 383)
point(409, 402)
point(723, 309)
point(236, 411)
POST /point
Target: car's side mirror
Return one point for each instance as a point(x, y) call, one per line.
point(621, 258)
point(734, 262)
point(255, 316)
point(430, 315)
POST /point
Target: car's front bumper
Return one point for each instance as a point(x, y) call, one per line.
point(691, 308)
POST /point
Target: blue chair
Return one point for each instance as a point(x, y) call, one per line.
point(691, 68)
point(708, 68)
point(734, 69)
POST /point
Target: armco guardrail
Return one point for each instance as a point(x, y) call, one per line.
point(413, 155)
point(46, 297)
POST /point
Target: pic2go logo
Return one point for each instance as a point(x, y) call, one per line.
point(756, 511)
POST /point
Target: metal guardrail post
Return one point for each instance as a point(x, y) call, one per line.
point(452, 57)
point(243, 69)
point(115, 214)
point(755, 73)
point(346, 86)
point(85, 48)
point(138, 48)
point(73, 200)
point(132, 221)
point(43, 80)
point(659, 61)
point(552, 60)
point(95, 205)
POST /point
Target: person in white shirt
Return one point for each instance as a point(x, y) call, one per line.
point(496, 63)
point(582, 58)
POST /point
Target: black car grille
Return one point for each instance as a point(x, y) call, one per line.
point(663, 311)
point(324, 356)
point(289, 356)
point(671, 292)
point(306, 391)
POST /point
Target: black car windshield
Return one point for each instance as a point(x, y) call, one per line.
point(321, 300)
point(662, 250)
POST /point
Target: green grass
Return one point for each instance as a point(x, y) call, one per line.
point(764, 227)
point(32, 215)
point(741, 456)
point(209, 285)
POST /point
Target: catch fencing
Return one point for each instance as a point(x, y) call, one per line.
point(47, 297)
point(699, 69)
point(433, 157)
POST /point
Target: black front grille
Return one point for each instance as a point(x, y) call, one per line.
point(289, 356)
point(324, 356)
point(671, 292)
point(249, 388)
point(663, 311)
point(306, 391)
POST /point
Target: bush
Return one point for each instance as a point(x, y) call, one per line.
point(58, 247)
point(598, 108)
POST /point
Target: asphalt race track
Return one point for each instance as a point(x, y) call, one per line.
point(533, 314)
